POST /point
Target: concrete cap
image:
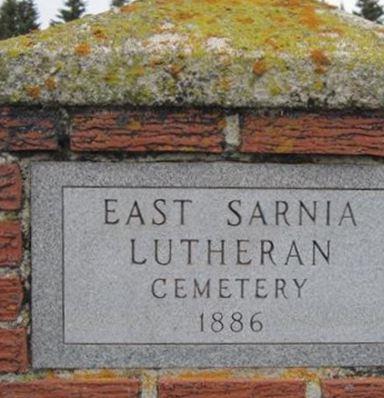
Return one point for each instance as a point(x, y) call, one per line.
point(231, 53)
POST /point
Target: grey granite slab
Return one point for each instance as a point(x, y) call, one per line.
point(207, 265)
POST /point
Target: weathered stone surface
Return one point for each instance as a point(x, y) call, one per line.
point(10, 187)
point(353, 388)
point(11, 297)
point(85, 318)
point(173, 388)
point(113, 388)
point(330, 134)
point(263, 53)
point(13, 350)
point(148, 130)
point(10, 243)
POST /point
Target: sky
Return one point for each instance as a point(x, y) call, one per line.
point(48, 8)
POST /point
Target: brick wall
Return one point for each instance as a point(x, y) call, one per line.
point(125, 135)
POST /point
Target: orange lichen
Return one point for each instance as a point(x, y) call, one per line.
point(310, 18)
point(184, 15)
point(99, 33)
point(128, 8)
point(33, 91)
point(155, 62)
point(301, 374)
point(320, 70)
point(290, 3)
point(246, 20)
point(83, 49)
point(280, 20)
point(175, 70)
point(259, 68)
point(273, 43)
point(50, 84)
point(319, 57)
point(321, 60)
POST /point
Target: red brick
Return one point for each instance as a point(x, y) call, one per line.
point(331, 134)
point(27, 130)
point(10, 187)
point(353, 388)
point(11, 298)
point(13, 350)
point(10, 244)
point(148, 130)
point(111, 388)
point(171, 388)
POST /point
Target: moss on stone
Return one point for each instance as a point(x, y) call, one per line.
point(215, 52)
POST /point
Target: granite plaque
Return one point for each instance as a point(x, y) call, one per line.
point(224, 264)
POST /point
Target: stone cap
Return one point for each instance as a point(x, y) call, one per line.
point(229, 53)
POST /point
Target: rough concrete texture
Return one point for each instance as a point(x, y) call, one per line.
point(232, 53)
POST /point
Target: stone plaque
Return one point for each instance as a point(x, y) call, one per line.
point(225, 264)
